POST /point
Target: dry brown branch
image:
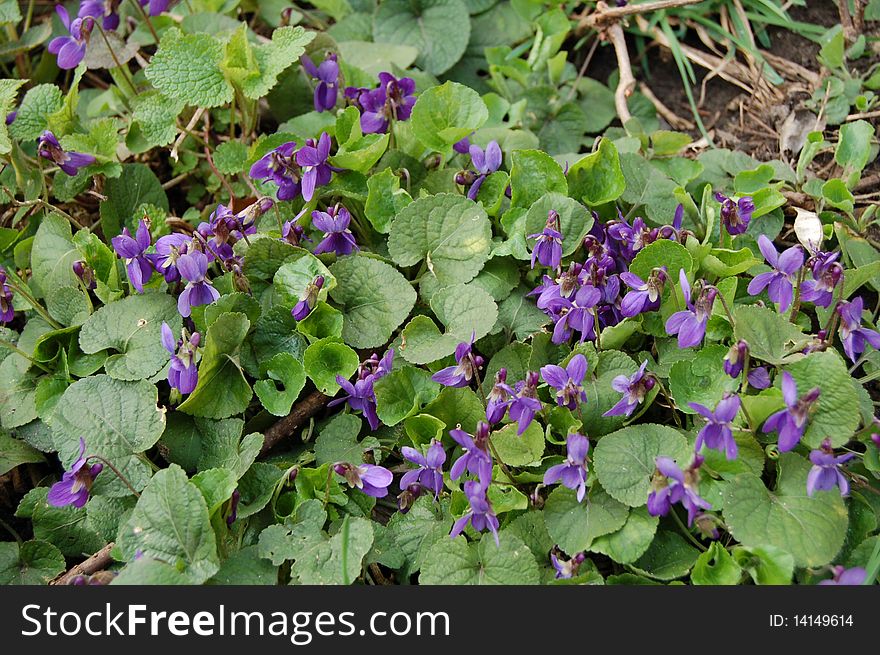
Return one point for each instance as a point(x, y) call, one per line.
point(627, 82)
point(605, 15)
point(97, 562)
point(674, 120)
point(301, 412)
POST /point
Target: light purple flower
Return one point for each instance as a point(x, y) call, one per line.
point(735, 214)
point(106, 10)
point(183, 374)
point(567, 381)
point(566, 569)
point(156, 7)
point(634, 390)
point(499, 398)
point(851, 577)
point(791, 422)
point(279, 166)
point(371, 479)
point(133, 252)
point(360, 395)
point(169, 248)
point(826, 472)
point(71, 49)
point(7, 313)
point(68, 161)
point(717, 433)
point(327, 74)
point(735, 359)
point(466, 367)
point(334, 224)
point(759, 378)
point(486, 162)
point(577, 315)
point(645, 296)
point(852, 335)
point(690, 324)
point(671, 485)
point(193, 267)
point(548, 246)
point(481, 515)
point(393, 100)
point(308, 299)
point(573, 471)
point(312, 158)
point(778, 282)
point(75, 484)
point(827, 274)
point(429, 473)
point(525, 403)
point(476, 459)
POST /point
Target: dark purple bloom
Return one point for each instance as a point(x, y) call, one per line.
point(360, 395)
point(327, 74)
point(293, 233)
point(791, 422)
point(671, 485)
point(573, 471)
point(371, 479)
point(133, 252)
point(735, 214)
point(466, 367)
point(690, 324)
point(566, 569)
point(11, 116)
point(85, 273)
point(393, 100)
point(462, 146)
point(337, 237)
point(778, 281)
point(852, 577)
point(309, 299)
point(279, 166)
point(717, 433)
point(827, 273)
point(183, 374)
point(71, 49)
point(634, 390)
point(826, 472)
point(481, 515)
point(499, 398)
point(567, 381)
point(645, 296)
point(525, 403)
point(233, 508)
point(577, 315)
point(735, 359)
point(156, 7)
point(106, 10)
point(759, 378)
point(69, 162)
point(548, 247)
point(73, 489)
point(169, 248)
point(852, 335)
point(430, 472)
point(316, 172)
point(486, 162)
point(7, 313)
point(476, 459)
point(193, 267)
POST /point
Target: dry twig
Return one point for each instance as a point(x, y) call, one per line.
point(301, 412)
point(97, 562)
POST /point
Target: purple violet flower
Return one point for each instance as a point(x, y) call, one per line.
point(690, 324)
point(169, 248)
point(759, 378)
point(645, 296)
point(827, 273)
point(75, 484)
point(193, 267)
point(525, 403)
point(316, 172)
point(791, 422)
point(393, 100)
point(71, 49)
point(573, 471)
point(106, 10)
point(486, 162)
point(327, 74)
point(567, 569)
point(499, 398)
point(371, 479)
point(481, 515)
point(567, 381)
point(717, 433)
point(156, 7)
point(279, 166)
point(735, 214)
point(69, 162)
point(778, 281)
point(133, 252)
point(476, 459)
point(429, 473)
point(360, 395)
point(671, 485)
point(735, 359)
point(852, 335)
point(308, 299)
point(548, 246)
point(337, 237)
point(233, 508)
point(851, 577)
point(826, 472)
point(466, 367)
point(577, 315)
point(462, 146)
point(183, 374)
point(7, 313)
point(634, 390)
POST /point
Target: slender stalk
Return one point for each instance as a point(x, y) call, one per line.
point(685, 531)
point(726, 308)
point(11, 531)
point(123, 71)
point(33, 302)
point(117, 472)
point(11, 346)
point(502, 464)
point(146, 18)
point(796, 305)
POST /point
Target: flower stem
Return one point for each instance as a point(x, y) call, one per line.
point(123, 71)
point(146, 18)
point(726, 308)
point(117, 472)
point(11, 346)
point(11, 531)
point(501, 464)
point(796, 305)
point(685, 531)
point(33, 302)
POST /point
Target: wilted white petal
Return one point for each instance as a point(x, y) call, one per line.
point(808, 229)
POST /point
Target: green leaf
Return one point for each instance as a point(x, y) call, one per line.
point(663, 252)
point(327, 358)
point(446, 114)
point(246, 567)
point(402, 393)
point(716, 567)
point(287, 377)
point(216, 486)
point(574, 526)
point(34, 562)
point(425, 25)
point(18, 387)
point(231, 157)
point(385, 199)
point(522, 450)
point(836, 413)
point(14, 452)
point(373, 58)
point(275, 332)
point(53, 255)
point(701, 379)
point(499, 277)
point(463, 310)
point(600, 395)
point(451, 233)
point(415, 532)
point(154, 120)
point(631, 541)
point(769, 335)
point(597, 178)
point(8, 92)
point(322, 322)
point(152, 572)
point(768, 565)
point(271, 59)
point(812, 530)
point(171, 523)
point(125, 194)
point(668, 557)
point(574, 219)
point(67, 527)
point(33, 112)
point(374, 298)
point(853, 149)
point(338, 441)
point(532, 174)
point(222, 389)
point(519, 315)
point(294, 276)
point(187, 67)
point(133, 328)
point(624, 460)
point(455, 562)
point(456, 406)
